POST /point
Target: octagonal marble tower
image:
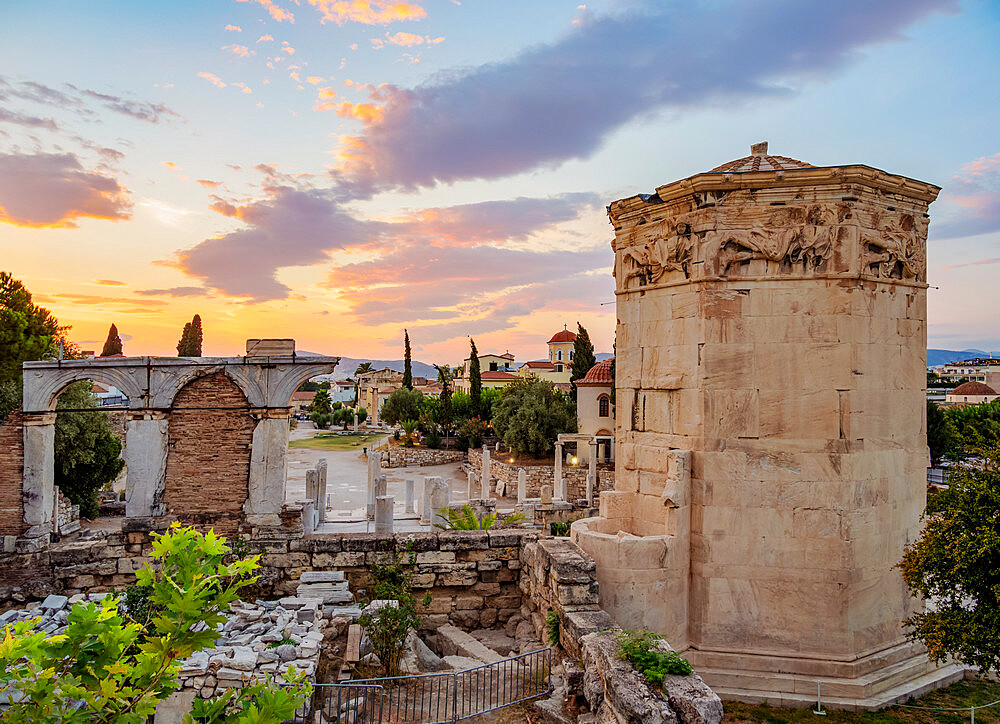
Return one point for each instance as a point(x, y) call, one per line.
point(772, 321)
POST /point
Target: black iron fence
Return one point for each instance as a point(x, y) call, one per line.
point(352, 702)
point(437, 698)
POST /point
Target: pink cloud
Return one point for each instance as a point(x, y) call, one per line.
point(234, 28)
point(240, 50)
point(368, 12)
point(54, 190)
point(277, 13)
point(265, 38)
point(213, 79)
point(975, 190)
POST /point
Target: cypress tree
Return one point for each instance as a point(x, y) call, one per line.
point(475, 381)
point(113, 344)
point(407, 368)
point(185, 341)
point(583, 356)
point(190, 342)
point(196, 336)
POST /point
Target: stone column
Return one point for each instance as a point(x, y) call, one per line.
point(321, 468)
point(557, 470)
point(591, 481)
point(355, 422)
point(38, 493)
point(425, 500)
point(383, 513)
point(439, 499)
point(374, 466)
point(522, 485)
point(312, 494)
point(409, 496)
point(472, 485)
point(592, 467)
point(545, 495)
point(145, 464)
point(484, 481)
point(378, 491)
point(268, 463)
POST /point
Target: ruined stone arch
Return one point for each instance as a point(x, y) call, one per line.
point(42, 388)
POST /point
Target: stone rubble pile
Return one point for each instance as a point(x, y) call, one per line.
point(259, 639)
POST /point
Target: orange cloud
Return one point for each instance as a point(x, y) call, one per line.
point(364, 112)
point(240, 50)
point(325, 99)
point(276, 12)
point(244, 88)
point(49, 190)
point(264, 38)
point(209, 184)
point(368, 12)
point(234, 28)
point(315, 79)
point(213, 79)
point(287, 48)
point(170, 164)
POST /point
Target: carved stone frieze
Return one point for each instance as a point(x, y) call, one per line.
point(797, 239)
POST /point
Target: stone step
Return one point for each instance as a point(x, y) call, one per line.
point(326, 592)
point(452, 641)
point(322, 577)
point(353, 653)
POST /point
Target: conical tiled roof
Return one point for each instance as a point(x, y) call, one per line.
point(759, 160)
point(973, 388)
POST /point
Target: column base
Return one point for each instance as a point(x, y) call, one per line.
point(872, 682)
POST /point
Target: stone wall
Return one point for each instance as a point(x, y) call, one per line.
point(208, 463)
point(402, 457)
point(11, 475)
point(558, 576)
point(539, 475)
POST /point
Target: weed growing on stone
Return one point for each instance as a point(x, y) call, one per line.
point(637, 649)
point(552, 623)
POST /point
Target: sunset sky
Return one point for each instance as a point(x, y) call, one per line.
point(337, 170)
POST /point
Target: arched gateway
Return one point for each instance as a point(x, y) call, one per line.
point(175, 401)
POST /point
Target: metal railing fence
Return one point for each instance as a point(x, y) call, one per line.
point(441, 698)
point(351, 702)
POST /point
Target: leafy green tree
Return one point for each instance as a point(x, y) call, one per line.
point(191, 338)
point(488, 402)
point(322, 420)
point(530, 414)
point(934, 379)
point(362, 415)
point(87, 452)
point(310, 386)
point(583, 357)
point(403, 404)
point(321, 402)
point(461, 407)
point(977, 426)
point(113, 344)
point(407, 362)
point(942, 438)
point(475, 382)
point(27, 331)
point(111, 668)
point(956, 562)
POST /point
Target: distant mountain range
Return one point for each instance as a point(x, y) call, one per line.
point(937, 357)
point(348, 365)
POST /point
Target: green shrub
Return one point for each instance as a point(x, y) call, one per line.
point(559, 528)
point(464, 518)
point(388, 626)
point(432, 439)
point(552, 624)
point(637, 649)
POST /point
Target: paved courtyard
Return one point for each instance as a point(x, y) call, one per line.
point(347, 476)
